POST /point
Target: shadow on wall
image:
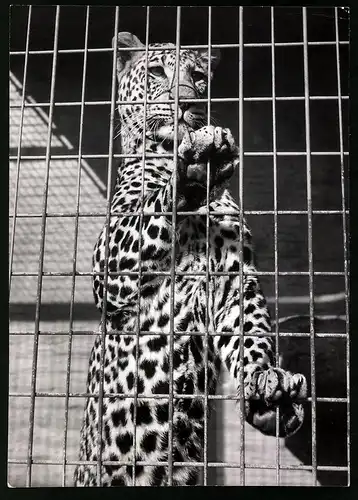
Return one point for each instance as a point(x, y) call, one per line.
point(258, 173)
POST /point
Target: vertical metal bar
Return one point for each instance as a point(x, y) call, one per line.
point(241, 253)
point(135, 399)
point(310, 250)
point(274, 158)
point(208, 284)
point(14, 211)
point(105, 280)
point(74, 258)
point(42, 254)
point(172, 270)
point(345, 236)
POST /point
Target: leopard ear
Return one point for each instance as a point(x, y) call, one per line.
point(215, 58)
point(124, 57)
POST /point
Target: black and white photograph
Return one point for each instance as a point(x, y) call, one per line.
point(178, 246)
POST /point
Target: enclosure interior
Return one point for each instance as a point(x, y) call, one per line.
point(51, 324)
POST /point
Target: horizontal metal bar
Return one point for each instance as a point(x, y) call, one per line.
point(332, 468)
point(149, 214)
point(199, 46)
point(193, 333)
point(178, 273)
point(171, 101)
point(345, 245)
point(105, 156)
point(220, 397)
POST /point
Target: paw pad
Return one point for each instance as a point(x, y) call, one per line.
point(276, 388)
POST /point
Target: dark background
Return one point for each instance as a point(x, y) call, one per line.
point(258, 171)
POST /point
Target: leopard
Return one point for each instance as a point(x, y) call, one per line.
point(174, 277)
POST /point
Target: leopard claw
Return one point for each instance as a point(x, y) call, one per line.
point(263, 418)
point(274, 384)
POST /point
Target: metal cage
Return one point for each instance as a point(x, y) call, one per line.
point(283, 89)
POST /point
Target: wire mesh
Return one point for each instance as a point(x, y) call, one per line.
point(36, 330)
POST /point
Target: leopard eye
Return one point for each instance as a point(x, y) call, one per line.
point(198, 76)
point(156, 71)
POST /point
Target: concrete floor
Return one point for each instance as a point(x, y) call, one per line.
point(258, 195)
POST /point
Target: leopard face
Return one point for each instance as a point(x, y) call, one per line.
point(152, 75)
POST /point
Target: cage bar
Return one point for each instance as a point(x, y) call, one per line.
point(77, 217)
point(208, 286)
point(212, 212)
point(143, 332)
point(181, 273)
point(234, 465)
point(140, 247)
point(169, 101)
point(105, 280)
point(153, 396)
point(104, 156)
point(173, 253)
point(241, 243)
point(198, 46)
point(239, 468)
point(18, 156)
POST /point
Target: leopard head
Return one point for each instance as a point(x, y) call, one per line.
point(153, 76)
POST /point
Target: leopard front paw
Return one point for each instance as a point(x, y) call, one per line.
point(208, 143)
point(274, 388)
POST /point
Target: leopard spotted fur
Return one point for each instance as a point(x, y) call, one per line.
point(139, 364)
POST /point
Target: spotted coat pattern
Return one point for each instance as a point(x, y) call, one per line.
point(136, 427)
